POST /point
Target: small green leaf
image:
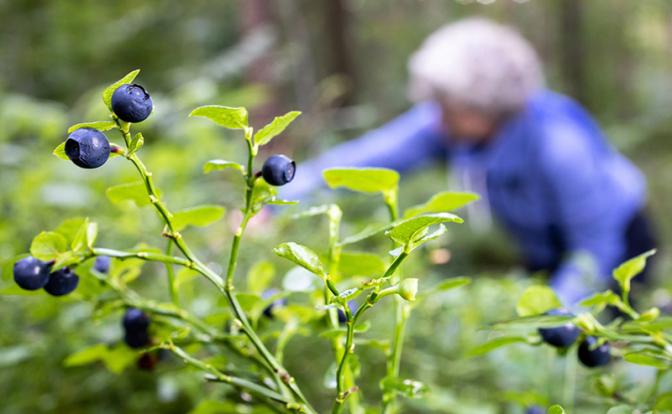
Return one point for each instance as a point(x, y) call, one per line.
point(259, 276)
point(136, 143)
point(364, 264)
point(537, 300)
point(86, 356)
point(556, 409)
point(446, 285)
point(406, 387)
point(274, 128)
point(363, 180)
point(107, 93)
point(48, 245)
point(81, 239)
point(216, 165)
point(59, 151)
point(226, 116)
point(200, 216)
point(648, 359)
point(262, 194)
point(496, 343)
point(99, 125)
point(369, 231)
point(631, 268)
point(404, 231)
point(622, 409)
point(302, 256)
point(441, 202)
point(601, 300)
point(135, 192)
point(664, 402)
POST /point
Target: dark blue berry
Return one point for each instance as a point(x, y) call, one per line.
point(136, 328)
point(131, 103)
point(278, 170)
point(30, 273)
point(341, 315)
point(278, 303)
point(61, 282)
point(102, 264)
point(136, 339)
point(535, 409)
point(592, 356)
point(135, 320)
point(561, 336)
point(87, 148)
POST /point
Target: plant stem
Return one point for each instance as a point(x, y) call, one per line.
point(174, 295)
point(274, 368)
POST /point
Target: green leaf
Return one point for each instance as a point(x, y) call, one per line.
point(622, 409)
point(648, 359)
point(48, 245)
point(601, 300)
point(556, 409)
point(441, 202)
point(136, 143)
point(59, 151)
point(664, 402)
point(86, 356)
point(107, 93)
point(537, 321)
point(369, 231)
point(85, 236)
point(274, 128)
point(135, 192)
point(496, 343)
point(404, 231)
point(631, 268)
point(200, 216)
point(406, 387)
point(365, 264)
point(259, 276)
point(537, 300)
point(446, 285)
point(99, 125)
point(262, 194)
point(216, 165)
point(363, 180)
point(226, 116)
point(302, 256)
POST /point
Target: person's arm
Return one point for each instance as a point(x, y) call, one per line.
point(587, 211)
point(404, 143)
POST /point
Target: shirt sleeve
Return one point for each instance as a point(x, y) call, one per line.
point(406, 142)
point(586, 209)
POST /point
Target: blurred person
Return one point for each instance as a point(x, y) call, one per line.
point(536, 157)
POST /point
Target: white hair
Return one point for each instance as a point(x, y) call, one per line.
point(478, 64)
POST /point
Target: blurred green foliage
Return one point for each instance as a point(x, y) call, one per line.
point(56, 55)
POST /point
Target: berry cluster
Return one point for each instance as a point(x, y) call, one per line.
point(590, 353)
point(32, 274)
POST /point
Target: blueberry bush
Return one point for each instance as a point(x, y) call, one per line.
point(241, 341)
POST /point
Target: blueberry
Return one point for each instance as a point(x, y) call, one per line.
point(535, 409)
point(138, 339)
point(561, 336)
point(268, 311)
point(341, 315)
point(147, 361)
point(135, 320)
point(131, 103)
point(136, 328)
point(30, 273)
point(102, 264)
point(592, 356)
point(278, 170)
point(87, 148)
point(61, 282)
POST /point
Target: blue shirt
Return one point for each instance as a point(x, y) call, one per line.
point(549, 176)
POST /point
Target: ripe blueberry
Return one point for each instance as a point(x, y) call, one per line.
point(561, 336)
point(268, 311)
point(278, 170)
point(87, 148)
point(131, 103)
point(592, 356)
point(61, 282)
point(30, 273)
point(136, 328)
point(102, 264)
